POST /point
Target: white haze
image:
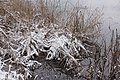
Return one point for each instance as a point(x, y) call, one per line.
point(111, 10)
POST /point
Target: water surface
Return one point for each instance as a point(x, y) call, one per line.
point(111, 10)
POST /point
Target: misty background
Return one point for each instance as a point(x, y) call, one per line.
point(111, 10)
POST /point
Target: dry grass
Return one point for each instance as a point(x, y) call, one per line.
point(78, 20)
point(83, 23)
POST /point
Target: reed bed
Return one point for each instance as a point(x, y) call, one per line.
point(56, 34)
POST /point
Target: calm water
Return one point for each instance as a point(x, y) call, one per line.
point(111, 10)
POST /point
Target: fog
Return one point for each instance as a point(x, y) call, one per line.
point(110, 8)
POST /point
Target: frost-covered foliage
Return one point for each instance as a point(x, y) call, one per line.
point(28, 38)
point(21, 43)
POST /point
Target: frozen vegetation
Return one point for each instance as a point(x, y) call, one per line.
point(55, 43)
point(32, 38)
